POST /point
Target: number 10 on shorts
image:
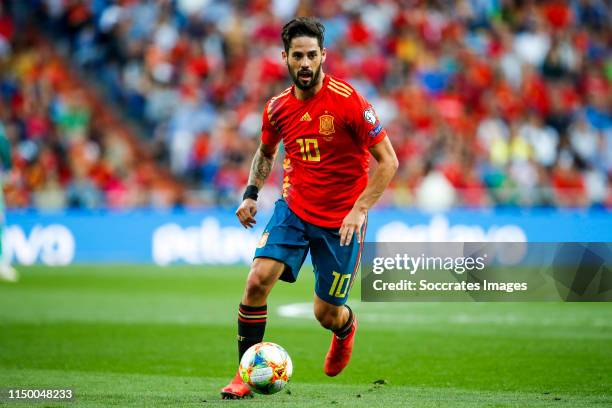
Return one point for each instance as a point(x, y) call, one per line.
point(340, 285)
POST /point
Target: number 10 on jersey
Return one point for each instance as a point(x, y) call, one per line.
point(309, 149)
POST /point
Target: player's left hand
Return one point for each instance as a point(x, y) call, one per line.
point(351, 225)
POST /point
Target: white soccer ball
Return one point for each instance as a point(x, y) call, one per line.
point(266, 368)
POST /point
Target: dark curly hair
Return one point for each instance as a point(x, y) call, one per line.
point(303, 27)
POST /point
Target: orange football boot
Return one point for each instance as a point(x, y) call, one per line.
point(236, 389)
point(340, 351)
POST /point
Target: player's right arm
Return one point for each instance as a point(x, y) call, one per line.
point(260, 170)
point(262, 164)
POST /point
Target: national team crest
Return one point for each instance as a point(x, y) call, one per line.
point(263, 240)
point(326, 125)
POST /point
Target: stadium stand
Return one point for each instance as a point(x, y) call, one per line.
point(141, 103)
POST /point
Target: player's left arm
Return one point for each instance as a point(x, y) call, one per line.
point(387, 166)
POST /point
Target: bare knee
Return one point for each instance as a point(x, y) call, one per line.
point(327, 321)
point(328, 316)
point(260, 281)
point(255, 289)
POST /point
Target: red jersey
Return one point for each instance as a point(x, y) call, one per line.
point(326, 139)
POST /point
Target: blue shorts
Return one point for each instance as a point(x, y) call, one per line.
point(288, 239)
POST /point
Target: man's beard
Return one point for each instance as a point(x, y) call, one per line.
point(314, 78)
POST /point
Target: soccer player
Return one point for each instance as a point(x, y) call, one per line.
point(329, 131)
point(7, 272)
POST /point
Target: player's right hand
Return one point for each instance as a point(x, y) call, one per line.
point(246, 213)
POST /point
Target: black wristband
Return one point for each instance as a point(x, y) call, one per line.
point(251, 192)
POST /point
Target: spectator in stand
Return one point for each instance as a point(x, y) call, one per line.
point(509, 101)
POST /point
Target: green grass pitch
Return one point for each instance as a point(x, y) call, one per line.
point(148, 336)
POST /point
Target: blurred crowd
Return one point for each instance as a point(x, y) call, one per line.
point(70, 150)
point(487, 102)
